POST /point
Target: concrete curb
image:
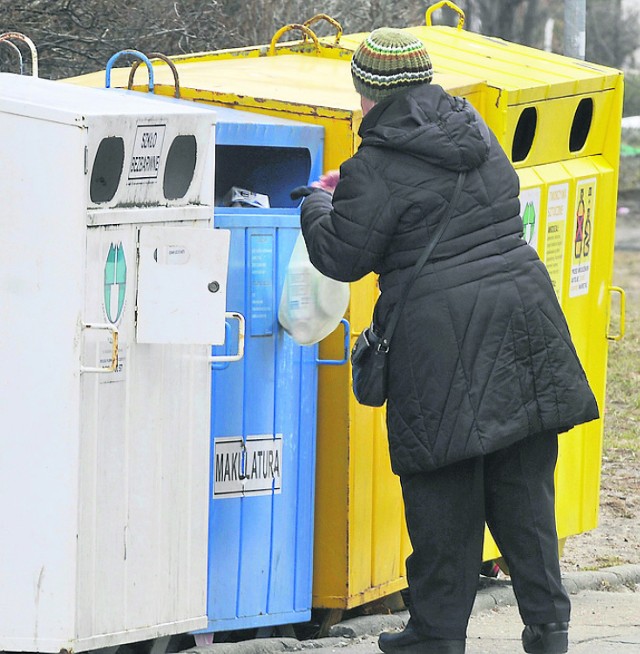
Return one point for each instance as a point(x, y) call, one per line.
point(494, 593)
point(491, 594)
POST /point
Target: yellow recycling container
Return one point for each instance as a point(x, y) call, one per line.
point(559, 120)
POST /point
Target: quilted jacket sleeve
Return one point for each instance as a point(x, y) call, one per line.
point(347, 236)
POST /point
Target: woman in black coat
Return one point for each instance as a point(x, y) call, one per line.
point(482, 371)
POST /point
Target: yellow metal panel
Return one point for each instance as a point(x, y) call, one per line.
point(554, 190)
point(527, 73)
point(581, 271)
point(585, 300)
point(554, 121)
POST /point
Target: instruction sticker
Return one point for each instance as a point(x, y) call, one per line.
point(247, 467)
point(557, 201)
point(530, 214)
point(582, 237)
point(261, 268)
point(147, 152)
point(105, 358)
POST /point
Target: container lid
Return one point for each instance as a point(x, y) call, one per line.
point(67, 103)
point(290, 79)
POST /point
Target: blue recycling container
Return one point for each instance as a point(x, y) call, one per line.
point(263, 422)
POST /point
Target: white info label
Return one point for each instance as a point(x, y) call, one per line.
point(147, 152)
point(249, 467)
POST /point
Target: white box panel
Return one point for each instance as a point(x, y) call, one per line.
point(172, 260)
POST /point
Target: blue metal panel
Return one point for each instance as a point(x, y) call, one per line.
point(261, 545)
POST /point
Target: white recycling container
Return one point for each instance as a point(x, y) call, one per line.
point(112, 291)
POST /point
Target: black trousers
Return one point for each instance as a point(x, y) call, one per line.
point(513, 491)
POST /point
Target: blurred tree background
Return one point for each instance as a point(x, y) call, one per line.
point(78, 36)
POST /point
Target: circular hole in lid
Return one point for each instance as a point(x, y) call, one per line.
point(180, 167)
point(107, 169)
point(581, 125)
point(524, 134)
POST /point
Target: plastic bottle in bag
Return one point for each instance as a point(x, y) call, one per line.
point(312, 304)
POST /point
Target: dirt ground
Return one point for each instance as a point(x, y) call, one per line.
point(617, 538)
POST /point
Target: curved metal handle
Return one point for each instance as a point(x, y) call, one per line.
point(222, 358)
point(347, 339)
point(157, 55)
point(133, 53)
point(114, 349)
point(620, 334)
point(18, 52)
point(227, 335)
point(331, 21)
point(293, 26)
point(445, 3)
point(7, 36)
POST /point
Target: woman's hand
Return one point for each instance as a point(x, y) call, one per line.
point(328, 181)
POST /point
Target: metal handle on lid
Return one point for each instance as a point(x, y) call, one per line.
point(132, 53)
point(287, 28)
point(331, 21)
point(17, 36)
point(445, 3)
point(17, 50)
point(157, 55)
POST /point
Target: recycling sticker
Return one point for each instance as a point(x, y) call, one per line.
point(530, 214)
point(115, 282)
point(582, 237)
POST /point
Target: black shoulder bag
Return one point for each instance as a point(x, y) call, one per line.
point(369, 357)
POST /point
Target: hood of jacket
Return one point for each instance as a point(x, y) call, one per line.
point(430, 124)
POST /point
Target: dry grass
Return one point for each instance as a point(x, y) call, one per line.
point(616, 540)
point(622, 413)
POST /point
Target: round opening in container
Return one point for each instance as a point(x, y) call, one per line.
point(524, 134)
point(581, 125)
point(180, 167)
point(107, 169)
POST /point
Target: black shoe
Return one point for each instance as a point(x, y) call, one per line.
point(551, 638)
point(411, 641)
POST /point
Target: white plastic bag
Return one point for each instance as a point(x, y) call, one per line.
point(312, 304)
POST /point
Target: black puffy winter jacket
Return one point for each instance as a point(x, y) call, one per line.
point(481, 356)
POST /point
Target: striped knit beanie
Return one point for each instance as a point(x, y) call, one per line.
point(387, 61)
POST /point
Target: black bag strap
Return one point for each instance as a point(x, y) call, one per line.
point(393, 321)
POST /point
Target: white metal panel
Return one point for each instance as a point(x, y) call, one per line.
point(104, 470)
point(140, 215)
point(171, 459)
point(141, 185)
point(127, 115)
point(41, 289)
point(182, 285)
point(142, 541)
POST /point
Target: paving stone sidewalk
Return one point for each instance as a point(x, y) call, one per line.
point(605, 620)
